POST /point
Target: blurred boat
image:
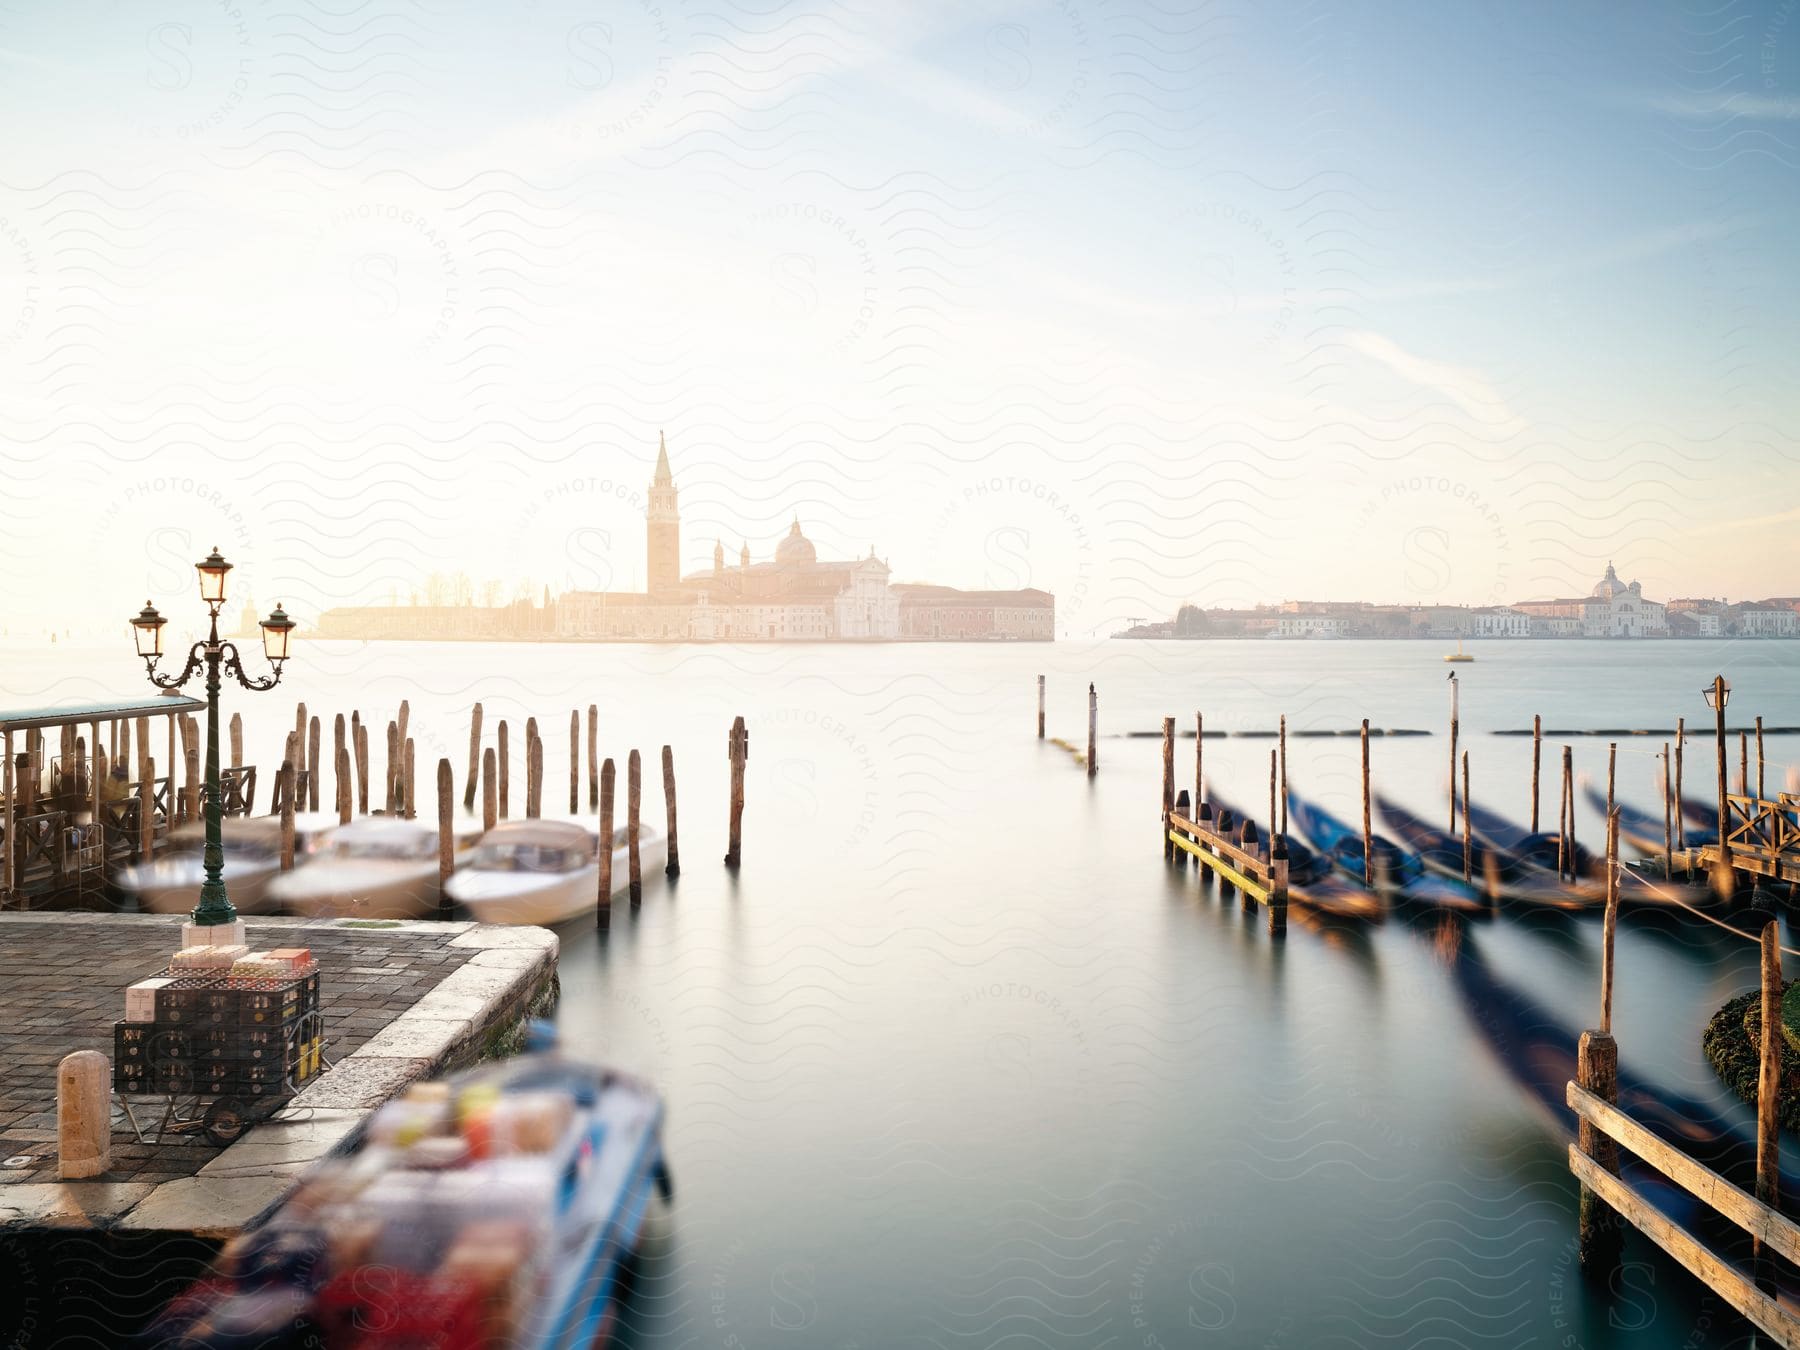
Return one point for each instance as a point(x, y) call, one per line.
point(1313, 884)
point(375, 867)
point(498, 1208)
point(1645, 831)
point(546, 871)
point(170, 882)
point(1495, 874)
point(1544, 852)
point(1401, 874)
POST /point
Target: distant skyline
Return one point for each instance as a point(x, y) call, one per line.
point(1135, 306)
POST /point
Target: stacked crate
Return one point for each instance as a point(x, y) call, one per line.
point(220, 1033)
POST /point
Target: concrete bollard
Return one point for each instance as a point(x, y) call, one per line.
point(83, 1115)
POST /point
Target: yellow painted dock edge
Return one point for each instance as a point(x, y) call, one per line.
point(1255, 890)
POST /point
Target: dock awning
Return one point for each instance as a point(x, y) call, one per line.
point(80, 714)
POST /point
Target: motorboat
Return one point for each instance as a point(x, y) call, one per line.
point(546, 871)
point(497, 1208)
point(169, 883)
point(375, 867)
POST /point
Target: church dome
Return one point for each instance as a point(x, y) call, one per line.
point(1610, 586)
point(796, 550)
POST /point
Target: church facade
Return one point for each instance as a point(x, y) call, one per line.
point(794, 596)
point(1611, 609)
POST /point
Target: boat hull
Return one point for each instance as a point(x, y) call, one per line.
point(329, 889)
point(172, 885)
point(548, 898)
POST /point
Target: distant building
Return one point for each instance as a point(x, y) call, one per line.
point(1611, 609)
point(1763, 620)
point(944, 613)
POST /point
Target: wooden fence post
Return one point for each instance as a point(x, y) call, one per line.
point(593, 756)
point(1093, 761)
point(1368, 831)
point(673, 868)
point(312, 764)
point(1168, 784)
point(446, 804)
point(474, 757)
point(606, 840)
point(738, 750)
point(289, 790)
point(633, 794)
point(1040, 707)
point(489, 803)
point(1768, 1090)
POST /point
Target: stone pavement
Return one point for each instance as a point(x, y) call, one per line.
point(400, 1002)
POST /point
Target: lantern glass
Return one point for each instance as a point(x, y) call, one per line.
point(1718, 695)
point(212, 570)
point(148, 628)
point(277, 629)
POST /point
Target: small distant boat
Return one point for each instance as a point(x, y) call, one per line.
point(1459, 654)
point(1400, 873)
point(546, 871)
point(170, 882)
point(376, 867)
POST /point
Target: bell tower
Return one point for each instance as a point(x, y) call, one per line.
point(662, 521)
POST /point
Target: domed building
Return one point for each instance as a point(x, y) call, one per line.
point(1613, 608)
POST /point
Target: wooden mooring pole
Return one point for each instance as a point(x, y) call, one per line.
point(339, 742)
point(1565, 842)
point(237, 739)
point(1455, 724)
point(1597, 1069)
point(1182, 808)
point(1768, 1094)
point(289, 790)
point(446, 804)
point(474, 757)
point(1168, 786)
point(490, 802)
point(1761, 795)
point(1668, 818)
point(1368, 831)
point(1283, 796)
point(312, 764)
point(343, 802)
point(1040, 707)
point(408, 764)
point(535, 794)
point(361, 737)
point(1537, 762)
point(634, 789)
point(1612, 765)
point(504, 762)
point(391, 776)
point(574, 760)
point(593, 756)
point(1274, 822)
point(1093, 762)
point(737, 749)
point(1468, 838)
point(1680, 828)
point(146, 809)
point(606, 841)
point(1743, 763)
point(673, 867)
point(1199, 766)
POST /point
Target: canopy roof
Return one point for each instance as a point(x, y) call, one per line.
point(549, 833)
point(112, 710)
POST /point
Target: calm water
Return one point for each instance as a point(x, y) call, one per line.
point(955, 1060)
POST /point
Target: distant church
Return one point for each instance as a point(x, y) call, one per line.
point(793, 597)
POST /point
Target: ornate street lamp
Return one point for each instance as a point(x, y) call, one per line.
point(214, 655)
point(1718, 694)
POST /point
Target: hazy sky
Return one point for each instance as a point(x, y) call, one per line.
point(1140, 303)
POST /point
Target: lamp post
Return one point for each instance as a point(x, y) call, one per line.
point(1718, 694)
point(214, 655)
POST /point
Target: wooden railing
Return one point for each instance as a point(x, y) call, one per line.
point(237, 790)
point(1604, 1129)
